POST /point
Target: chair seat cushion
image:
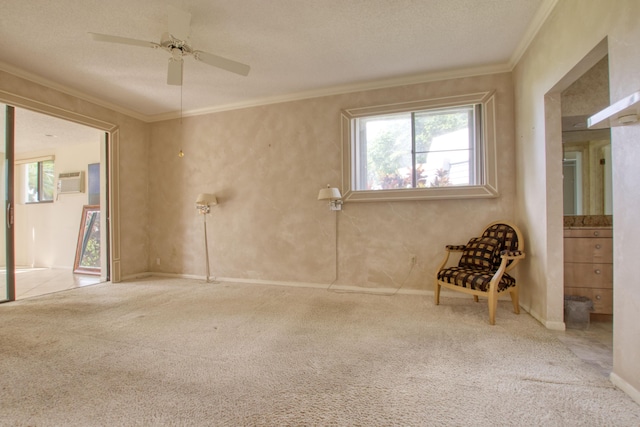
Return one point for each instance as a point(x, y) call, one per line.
point(474, 278)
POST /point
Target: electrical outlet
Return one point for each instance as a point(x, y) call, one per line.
point(414, 260)
point(158, 261)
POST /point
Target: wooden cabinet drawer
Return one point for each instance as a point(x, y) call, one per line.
point(602, 298)
point(586, 275)
point(588, 232)
point(592, 249)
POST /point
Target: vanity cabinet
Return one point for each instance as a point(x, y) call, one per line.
point(588, 266)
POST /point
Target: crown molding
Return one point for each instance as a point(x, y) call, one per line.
point(34, 78)
point(328, 91)
point(343, 89)
point(538, 20)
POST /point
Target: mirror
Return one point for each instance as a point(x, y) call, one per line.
point(586, 164)
point(88, 248)
point(586, 168)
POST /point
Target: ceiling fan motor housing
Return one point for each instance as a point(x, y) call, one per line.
point(177, 48)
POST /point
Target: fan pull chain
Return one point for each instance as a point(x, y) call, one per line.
point(181, 153)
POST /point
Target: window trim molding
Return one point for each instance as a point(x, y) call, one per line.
point(39, 161)
point(489, 188)
point(34, 160)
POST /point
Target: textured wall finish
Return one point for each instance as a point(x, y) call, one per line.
point(590, 93)
point(266, 165)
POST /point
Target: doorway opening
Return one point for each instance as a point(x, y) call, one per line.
point(59, 169)
point(583, 171)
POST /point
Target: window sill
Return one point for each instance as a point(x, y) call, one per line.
point(438, 193)
point(39, 203)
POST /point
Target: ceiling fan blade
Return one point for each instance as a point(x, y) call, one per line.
point(220, 62)
point(179, 23)
point(122, 40)
point(174, 74)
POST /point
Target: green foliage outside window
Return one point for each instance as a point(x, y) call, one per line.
point(40, 181)
point(91, 250)
point(388, 144)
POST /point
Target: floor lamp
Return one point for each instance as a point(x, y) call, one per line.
point(203, 203)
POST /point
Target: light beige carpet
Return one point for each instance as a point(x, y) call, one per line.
point(180, 352)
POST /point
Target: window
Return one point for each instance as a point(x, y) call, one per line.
point(40, 181)
point(442, 148)
point(418, 149)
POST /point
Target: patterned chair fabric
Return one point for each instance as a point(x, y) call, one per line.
point(506, 235)
point(481, 252)
point(474, 278)
point(480, 265)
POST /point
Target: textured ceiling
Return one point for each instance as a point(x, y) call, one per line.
point(39, 134)
point(296, 48)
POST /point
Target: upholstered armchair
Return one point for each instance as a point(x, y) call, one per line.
point(484, 265)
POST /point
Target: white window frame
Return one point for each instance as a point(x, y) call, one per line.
point(488, 186)
point(23, 181)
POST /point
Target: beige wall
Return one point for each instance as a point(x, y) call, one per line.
point(267, 164)
point(133, 171)
point(549, 65)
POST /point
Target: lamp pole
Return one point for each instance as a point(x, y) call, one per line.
point(206, 246)
point(203, 203)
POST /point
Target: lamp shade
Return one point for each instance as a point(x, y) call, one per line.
point(206, 199)
point(329, 194)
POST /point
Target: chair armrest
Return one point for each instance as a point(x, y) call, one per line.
point(511, 254)
point(449, 249)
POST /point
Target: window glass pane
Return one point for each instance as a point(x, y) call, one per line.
point(444, 149)
point(32, 182)
point(384, 150)
point(433, 177)
point(48, 181)
point(40, 181)
point(444, 146)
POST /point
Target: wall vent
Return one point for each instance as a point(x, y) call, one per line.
point(72, 182)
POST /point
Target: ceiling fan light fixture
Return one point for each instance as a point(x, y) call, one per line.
point(176, 54)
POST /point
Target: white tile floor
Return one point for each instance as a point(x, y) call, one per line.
point(593, 345)
point(32, 282)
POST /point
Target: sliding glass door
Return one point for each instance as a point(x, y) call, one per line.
point(7, 260)
point(55, 169)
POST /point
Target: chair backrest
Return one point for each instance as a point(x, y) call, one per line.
point(507, 234)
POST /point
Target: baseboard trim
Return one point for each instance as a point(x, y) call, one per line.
point(630, 390)
point(136, 276)
point(331, 287)
point(549, 324)
point(555, 326)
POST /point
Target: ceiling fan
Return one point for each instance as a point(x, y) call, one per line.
point(176, 42)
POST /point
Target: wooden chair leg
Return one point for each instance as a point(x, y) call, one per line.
point(493, 302)
point(515, 301)
point(436, 293)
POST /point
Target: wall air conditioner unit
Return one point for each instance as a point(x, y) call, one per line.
point(72, 182)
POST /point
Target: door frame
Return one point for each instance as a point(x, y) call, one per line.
point(555, 207)
point(112, 176)
point(9, 193)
